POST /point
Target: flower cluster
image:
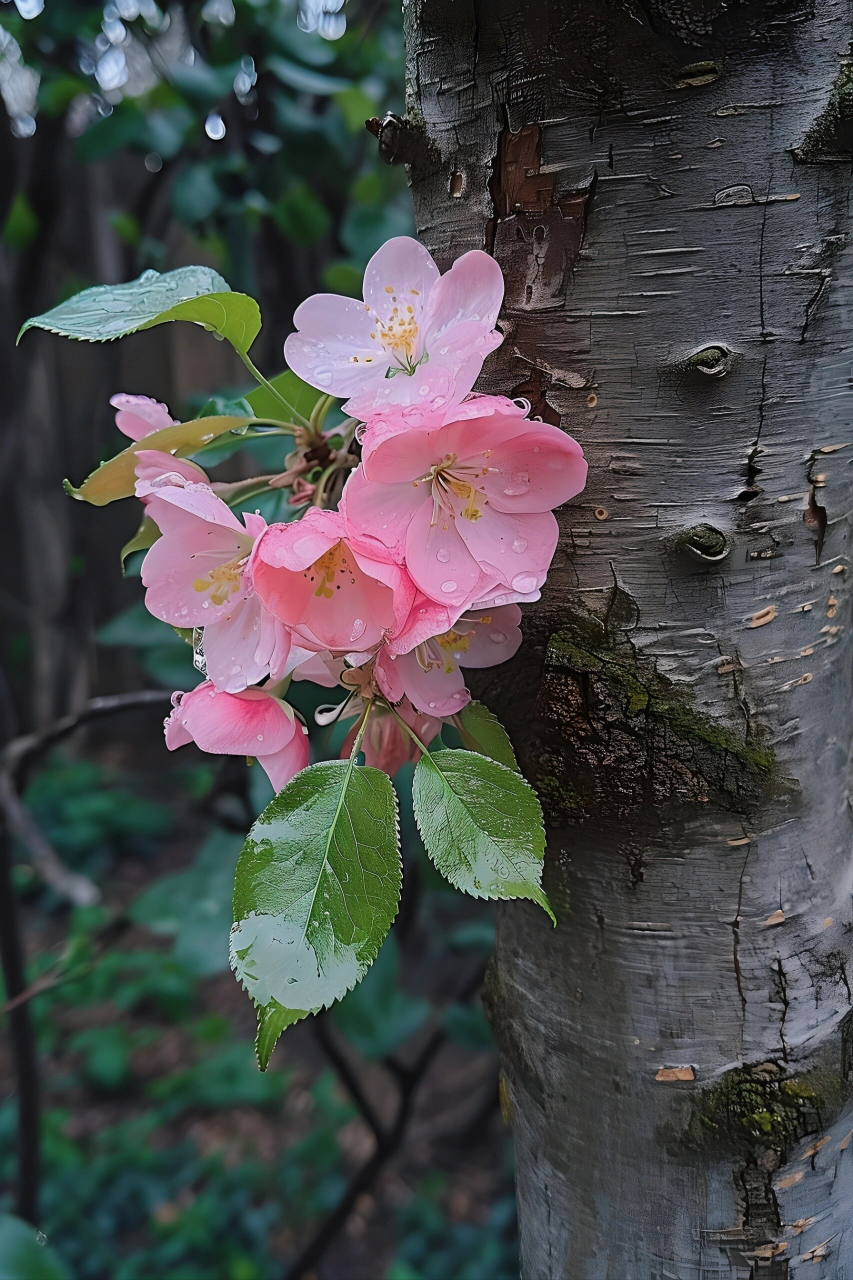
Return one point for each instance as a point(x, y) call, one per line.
point(443, 526)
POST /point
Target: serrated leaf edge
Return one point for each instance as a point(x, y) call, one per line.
point(336, 999)
point(539, 895)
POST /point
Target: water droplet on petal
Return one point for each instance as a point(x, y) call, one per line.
point(260, 737)
point(358, 629)
point(517, 483)
point(524, 582)
point(443, 555)
point(323, 376)
point(432, 705)
point(448, 586)
point(436, 402)
point(519, 545)
point(497, 637)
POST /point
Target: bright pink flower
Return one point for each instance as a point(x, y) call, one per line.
point(196, 575)
point(467, 506)
point(385, 745)
point(327, 590)
point(419, 339)
point(251, 723)
point(138, 416)
point(430, 676)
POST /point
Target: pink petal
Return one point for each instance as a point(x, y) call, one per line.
point(320, 668)
point(537, 471)
point(156, 470)
point(400, 266)
point(240, 649)
point(490, 636)
point(250, 723)
point(472, 290)
point(426, 618)
point(381, 511)
point(177, 570)
point(438, 560)
point(291, 759)
point(197, 500)
point(298, 545)
point(332, 331)
point(439, 690)
point(518, 547)
point(138, 416)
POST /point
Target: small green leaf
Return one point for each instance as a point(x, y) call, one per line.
point(117, 478)
point(297, 393)
point(111, 311)
point(144, 538)
point(482, 732)
point(24, 1255)
point(272, 1020)
point(481, 824)
point(234, 316)
point(317, 887)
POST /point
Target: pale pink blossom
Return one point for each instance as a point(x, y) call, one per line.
point(418, 340)
point(329, 591)
point(196, 575)
point(430, 675)
point(251, 723)
point(385, 744)
point(138, 416)
point(467, 506)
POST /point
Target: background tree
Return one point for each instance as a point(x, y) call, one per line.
point(666, 186)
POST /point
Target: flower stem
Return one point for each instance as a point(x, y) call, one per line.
point(256, 373)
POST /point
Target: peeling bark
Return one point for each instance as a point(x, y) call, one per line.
point(659, 181)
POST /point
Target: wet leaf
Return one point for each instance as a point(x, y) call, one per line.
point(116, 478)
point(316, 889)
point(111, 311)
point(26, 1255)
point(481, 824)
point(482, 732)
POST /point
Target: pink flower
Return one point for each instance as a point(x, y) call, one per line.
point(430, 676)
point(467, 506)
point(196, 575)
point(138, 416)
point(385, 745)
point(419, 339)
point(250, 723)
point(328, 590)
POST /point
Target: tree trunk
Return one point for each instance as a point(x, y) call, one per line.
point(666, 186)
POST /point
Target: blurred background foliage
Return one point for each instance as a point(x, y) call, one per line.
point(137, 136)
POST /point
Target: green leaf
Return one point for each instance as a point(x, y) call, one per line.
point(234, 316)
point(272, 1020)
point(378, 1016)
point(481, 824)
point(117, 478)
point(317, 887)
point(297, 393)
point(482, 732)
point(144, 538)
point(111, 311)
point(303, 80)
point(25, 1256)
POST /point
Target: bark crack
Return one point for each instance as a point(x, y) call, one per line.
point(735, 928)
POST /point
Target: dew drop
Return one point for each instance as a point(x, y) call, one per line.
point(358, 629)
point(524, 582)
point(436, 402)
point(260, 737)
point(517, 483)
point(423, 391)
point(442, 555)
point(214, 126)
point(448, 586)
point(323, 376)
point(519, 545)
point(497, 637)
point(432, 705)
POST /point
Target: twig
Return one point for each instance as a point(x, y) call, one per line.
point(349, 1077)
point(77, 888)
point(409, 1078)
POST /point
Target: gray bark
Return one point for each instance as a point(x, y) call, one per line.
point(666, 185)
